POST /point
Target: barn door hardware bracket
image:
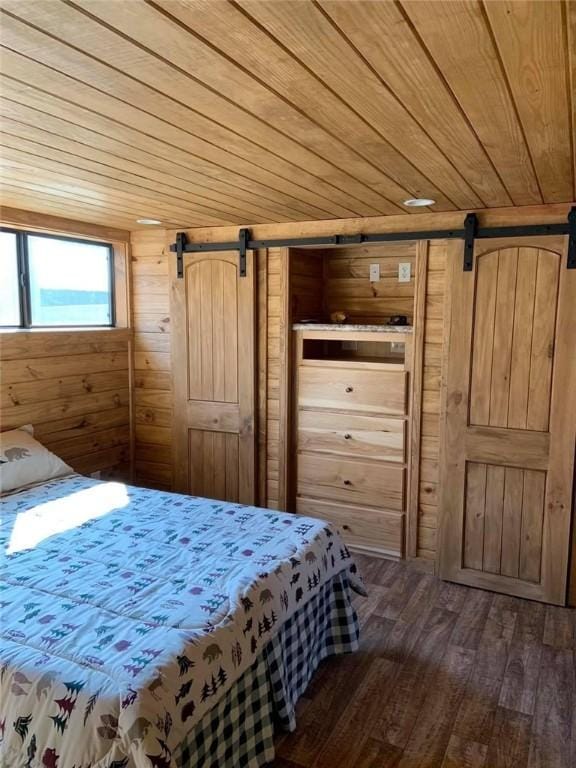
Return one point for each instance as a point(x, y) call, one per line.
point(470, 233)
point(571, 261)
point(180, 247)
point(243, 239)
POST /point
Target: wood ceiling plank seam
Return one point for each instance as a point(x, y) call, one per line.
point(36, 191)
point(324, 156)
point(18, 51)
point(47, 164)
point(311, 207)
point(530, 38)
point(409, 59)
point(43, 204)
point(262, 147)
point(142, 208)
point(61, 178)
point(452, 94)
point(69, 163)
point(468, 197)
point(569, 20)
point(402, 189)
point(62, 124)
point(488, 25)
point(87, 199)
point(342, 190)
point(72, 184)
point(489, 109)
point(72, 158)
point(107, 119)
point(476, 196)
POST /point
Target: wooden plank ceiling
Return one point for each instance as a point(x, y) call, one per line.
point(209, 112)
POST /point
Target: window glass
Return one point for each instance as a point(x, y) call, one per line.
point(69, 282)
point(9, 296)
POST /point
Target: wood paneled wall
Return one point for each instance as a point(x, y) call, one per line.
point(433, 330)
point(151, 321)
point(73, 387)
point(313, 276)
point(152, 360)
point(347, 286)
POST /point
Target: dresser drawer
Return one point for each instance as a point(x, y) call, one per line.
point(370, 437)
point(359, 527)
point(351, 481)
point(353, 390)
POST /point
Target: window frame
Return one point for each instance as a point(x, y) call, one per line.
point(23, 265)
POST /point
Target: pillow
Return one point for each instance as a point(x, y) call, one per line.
point(24, 461)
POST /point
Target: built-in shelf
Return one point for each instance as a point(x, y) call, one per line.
point(352, 348)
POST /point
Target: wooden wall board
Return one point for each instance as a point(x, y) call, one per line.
point(74, 388)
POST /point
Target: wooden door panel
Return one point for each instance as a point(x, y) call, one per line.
point(514, 327)
point(213, 374)
point(212, 331)
point(484, 316)
point(512, 521)
point(214, 464)
point(510, 415)
point(522, 338)
point(503, 327)
point(503, 519)
point(542, 348)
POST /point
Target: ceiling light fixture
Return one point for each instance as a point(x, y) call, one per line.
point(148, 221)
point(418, 202)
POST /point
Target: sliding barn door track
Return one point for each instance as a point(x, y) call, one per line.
point(469, 233)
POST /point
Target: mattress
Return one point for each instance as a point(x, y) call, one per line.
point(127, 614)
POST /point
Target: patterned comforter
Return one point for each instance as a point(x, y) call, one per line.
point(126, 614)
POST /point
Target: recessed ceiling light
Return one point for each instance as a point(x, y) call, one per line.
point(418, 202)
point(148, 221)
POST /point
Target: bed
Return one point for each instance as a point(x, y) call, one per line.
point(141, 628)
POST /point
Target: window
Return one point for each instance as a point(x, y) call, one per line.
point(48, 281)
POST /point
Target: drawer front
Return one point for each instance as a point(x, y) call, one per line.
point(359, 527)
point(369, 437)
point(354, 482)
point(353, 390)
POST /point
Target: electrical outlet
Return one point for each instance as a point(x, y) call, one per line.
point(404, 272)
point(374, 273)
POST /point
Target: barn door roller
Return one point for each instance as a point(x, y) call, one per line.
point(571, 263)
point(182, 246)
point(469, 233)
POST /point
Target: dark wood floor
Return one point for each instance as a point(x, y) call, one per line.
point(447, 677)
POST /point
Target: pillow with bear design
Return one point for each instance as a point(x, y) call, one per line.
point(24, 461)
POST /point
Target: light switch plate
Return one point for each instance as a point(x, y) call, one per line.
point(404, 269)
point(374, 273)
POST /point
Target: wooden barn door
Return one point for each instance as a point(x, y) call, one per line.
point(508, 448)
point(213, 364)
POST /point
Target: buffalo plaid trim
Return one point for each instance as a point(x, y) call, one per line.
point(238, 732)
point(327, 625)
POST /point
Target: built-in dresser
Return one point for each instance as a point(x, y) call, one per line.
point(350, 430)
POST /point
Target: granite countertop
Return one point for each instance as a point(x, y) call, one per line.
point(347, 327)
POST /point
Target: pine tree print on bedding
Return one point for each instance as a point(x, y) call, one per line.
point(124, 627)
